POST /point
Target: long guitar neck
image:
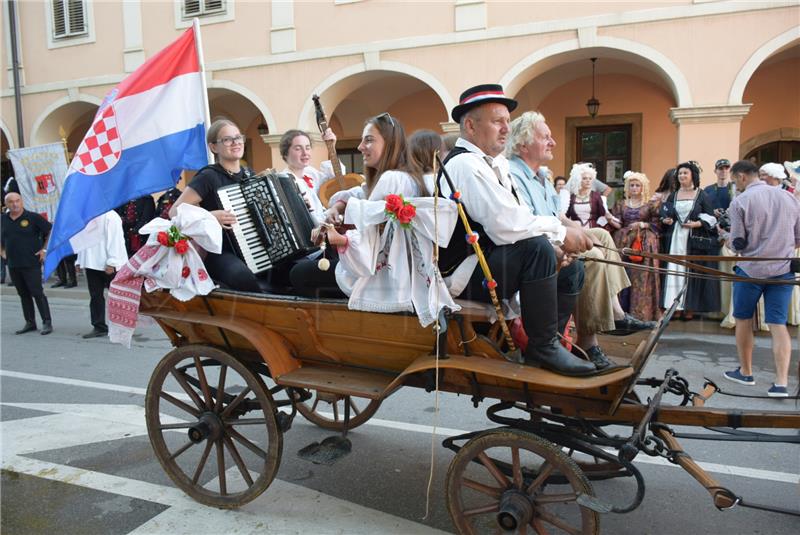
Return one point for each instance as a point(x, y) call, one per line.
point(322, 122)
point(334, 158)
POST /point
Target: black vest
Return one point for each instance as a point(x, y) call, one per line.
point(459, 249)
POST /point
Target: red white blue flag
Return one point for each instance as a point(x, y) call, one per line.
point(147, 130)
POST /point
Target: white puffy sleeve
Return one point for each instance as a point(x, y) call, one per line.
point(364, 242)
point(487, 202)
point(356, 192)
point(116, 254)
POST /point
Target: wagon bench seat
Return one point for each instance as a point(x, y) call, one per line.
point(537, 378)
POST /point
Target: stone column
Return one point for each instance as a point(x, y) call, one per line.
point(708, 133)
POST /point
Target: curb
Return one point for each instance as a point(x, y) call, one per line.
point(79, 292)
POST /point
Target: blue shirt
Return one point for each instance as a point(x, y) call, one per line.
point(720, 197)
point(538, 193)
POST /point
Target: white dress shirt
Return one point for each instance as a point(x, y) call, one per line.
point(109, 250)
point(318, 177)
point(492, 204)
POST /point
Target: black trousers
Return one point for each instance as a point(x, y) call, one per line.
point(310, 281)
point(28, 281)
point(98, 281)
point(512, 265)
point(66, 269)
point(230, 270)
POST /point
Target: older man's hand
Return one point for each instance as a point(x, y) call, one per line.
point(577, 241)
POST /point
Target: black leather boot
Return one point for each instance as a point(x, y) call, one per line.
point(540, 318)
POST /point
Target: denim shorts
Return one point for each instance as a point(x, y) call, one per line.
point(776, 298)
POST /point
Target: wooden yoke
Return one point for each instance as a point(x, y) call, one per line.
point(341, 181)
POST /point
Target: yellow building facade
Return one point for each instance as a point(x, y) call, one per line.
point(681, 80)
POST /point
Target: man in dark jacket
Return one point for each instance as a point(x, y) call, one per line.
point(23, 235)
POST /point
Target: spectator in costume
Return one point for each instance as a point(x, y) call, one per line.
point(686, 213)
point(134, 215)
point(639, 228)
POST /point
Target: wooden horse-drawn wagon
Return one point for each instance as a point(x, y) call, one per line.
point(244, 364)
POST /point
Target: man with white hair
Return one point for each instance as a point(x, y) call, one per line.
point(530, 145)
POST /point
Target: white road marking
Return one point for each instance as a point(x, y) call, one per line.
point(283, 508)
point(752, 473)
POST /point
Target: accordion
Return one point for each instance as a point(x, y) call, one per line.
point(273, 223)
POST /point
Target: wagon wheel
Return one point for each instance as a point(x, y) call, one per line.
point(327, 410)
point(503, 481)
point(212, 424)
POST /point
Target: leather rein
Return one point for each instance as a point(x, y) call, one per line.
point(698, 271)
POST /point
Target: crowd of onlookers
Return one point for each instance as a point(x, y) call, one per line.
point(678, 218)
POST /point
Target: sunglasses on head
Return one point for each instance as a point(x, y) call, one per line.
point(386, 117)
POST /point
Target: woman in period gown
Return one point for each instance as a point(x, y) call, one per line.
point(686, 210)
point(638, 217)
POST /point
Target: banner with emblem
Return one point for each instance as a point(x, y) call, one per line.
point(39, 172)
point(146, 131)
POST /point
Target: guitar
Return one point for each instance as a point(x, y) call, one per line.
point(341, 181)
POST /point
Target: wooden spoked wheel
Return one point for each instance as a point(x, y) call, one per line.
point(510, 481)
point(328, 410)
point(213, 426)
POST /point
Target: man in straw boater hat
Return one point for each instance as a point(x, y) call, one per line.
point(522, 250)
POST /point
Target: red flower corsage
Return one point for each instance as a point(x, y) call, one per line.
point(400, 209)
point(174, 238)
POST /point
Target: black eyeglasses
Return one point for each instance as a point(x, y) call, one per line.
point(385, 116)
point(228, 140)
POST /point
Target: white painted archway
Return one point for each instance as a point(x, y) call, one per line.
point(758, 57)
point(307, 120)
point(37, 133)
point(514, 80)
point(7, 133)
point(250, 96)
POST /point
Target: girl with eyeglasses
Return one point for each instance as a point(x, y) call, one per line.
point(226, 142)
point(383, 146)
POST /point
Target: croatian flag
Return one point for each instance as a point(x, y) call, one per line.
point(147, 130)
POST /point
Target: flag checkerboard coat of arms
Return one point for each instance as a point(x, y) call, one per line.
point(145, 133)
point(100, 149)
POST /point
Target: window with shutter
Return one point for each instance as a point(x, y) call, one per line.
point(200, 8)
point(69, 18)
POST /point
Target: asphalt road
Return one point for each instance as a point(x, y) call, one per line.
point(77, 459)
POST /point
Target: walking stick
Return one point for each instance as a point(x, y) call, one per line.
point(514, 355)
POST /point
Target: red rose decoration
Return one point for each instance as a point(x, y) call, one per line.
point(163, 238)
point(393, 203)
point(406, 214)
point(201, 274)
point(182, 246)
point(185, 272)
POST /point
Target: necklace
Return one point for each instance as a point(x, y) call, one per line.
point(580, 197)
point(631, 204)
